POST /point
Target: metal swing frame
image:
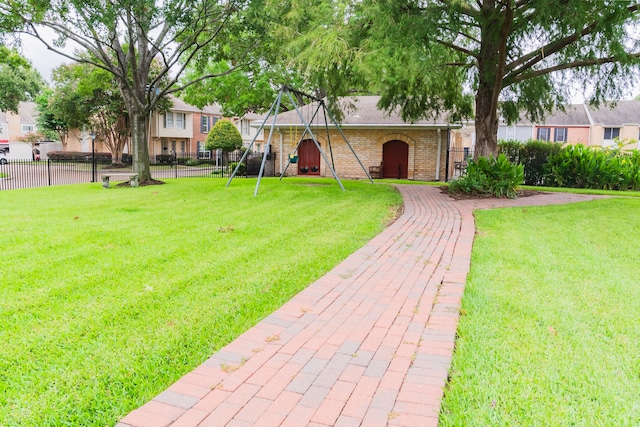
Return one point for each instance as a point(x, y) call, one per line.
point(275, 107)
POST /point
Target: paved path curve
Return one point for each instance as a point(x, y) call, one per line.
point(368, 344)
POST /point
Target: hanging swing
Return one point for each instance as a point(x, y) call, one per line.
point(293, 158)
point(307, 125)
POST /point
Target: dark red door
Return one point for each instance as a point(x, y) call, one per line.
point(395, 159)
point(308, 158)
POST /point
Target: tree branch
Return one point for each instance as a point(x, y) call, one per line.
point(527, 61)
point(566, 66)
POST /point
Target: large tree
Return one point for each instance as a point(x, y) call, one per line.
point(516, 56)
point(18, 80)
point(124, 37)
point(490, 58)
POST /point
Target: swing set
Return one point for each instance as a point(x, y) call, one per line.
point(308, 134)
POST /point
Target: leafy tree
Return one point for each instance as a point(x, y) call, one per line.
point(18, 80)
point(124, 38)
point(224, 136)
point(495, 57)
point(53, 127)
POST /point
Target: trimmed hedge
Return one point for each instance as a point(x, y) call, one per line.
point(79, 156)
point(533, 155)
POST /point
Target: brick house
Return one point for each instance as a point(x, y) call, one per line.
point(582, 123)
point(401, 150)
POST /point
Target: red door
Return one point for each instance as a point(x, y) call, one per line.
point(308, 158)
point(395, 159)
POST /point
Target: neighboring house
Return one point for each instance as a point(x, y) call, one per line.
point(520, 131)
point(4, 128)
point(569, 126)
point(381, 140)
point(172, 132)
point(581, 123)
point(15, 126)
point(621, 121)
point(249, 132)
point(203, 122)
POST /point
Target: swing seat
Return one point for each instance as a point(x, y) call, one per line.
point(293, 159)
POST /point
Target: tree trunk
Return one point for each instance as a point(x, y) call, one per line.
point(486, 122)
point(495, 25)
point(140, 146)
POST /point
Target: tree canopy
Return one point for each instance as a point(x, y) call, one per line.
point(488, 58)
point(19, 81)
point(224, 136)
point(124, 38)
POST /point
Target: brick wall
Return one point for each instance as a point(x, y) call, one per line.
point(367, 143)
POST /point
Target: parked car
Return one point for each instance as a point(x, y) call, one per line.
point(3, 158)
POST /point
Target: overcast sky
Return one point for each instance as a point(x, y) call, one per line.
point(42, 59)
point(45, 60)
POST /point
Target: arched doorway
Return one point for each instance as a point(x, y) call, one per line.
point(395, 159)
point(308, 158)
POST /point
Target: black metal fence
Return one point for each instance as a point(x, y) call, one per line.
point(457, 161)
point(26, 174)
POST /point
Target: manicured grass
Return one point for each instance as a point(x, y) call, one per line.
point(550, 332)
point(109, 296)
point(584, 191)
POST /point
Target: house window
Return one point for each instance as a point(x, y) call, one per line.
point(560, 135)
point(182, 147)
point(609, 135)
point(544, 134)
point(204, 124)
point(510, 133)
point(244, 126)
point(28, 128)
point(181, 123)
point(168, 120)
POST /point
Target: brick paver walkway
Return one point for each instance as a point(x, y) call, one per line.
point(368, 344)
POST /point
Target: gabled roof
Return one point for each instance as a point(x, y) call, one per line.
point(180, 105)
point(364, 113)
point(611, 114)
point(622, 113)
point(574, 115)
point(28, 112)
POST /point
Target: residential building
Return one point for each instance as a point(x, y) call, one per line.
point(203, 121)
point(250, 133)
point(582, 123)
point(383, 142)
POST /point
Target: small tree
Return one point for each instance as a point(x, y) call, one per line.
point(224, 136)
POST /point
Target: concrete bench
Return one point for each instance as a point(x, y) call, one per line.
point(132, 177)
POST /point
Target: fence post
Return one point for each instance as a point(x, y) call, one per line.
point(49, 171)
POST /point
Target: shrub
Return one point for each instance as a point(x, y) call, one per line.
point(79, 156)
point(242, 170)
point(533, 155)
point(225, 136)
point(253, 165)
point(497, 177)
point(592, 167)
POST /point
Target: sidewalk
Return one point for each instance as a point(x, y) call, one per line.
point(368, 344)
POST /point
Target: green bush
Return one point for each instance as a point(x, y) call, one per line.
point(225, 136)
point(533, 155)
point(496, 177)
point(242, 170)
point(578, 166)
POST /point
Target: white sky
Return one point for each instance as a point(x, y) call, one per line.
point(43, 60)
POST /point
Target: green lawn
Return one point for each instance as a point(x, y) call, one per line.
point(109, 296)
point(550, 331)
